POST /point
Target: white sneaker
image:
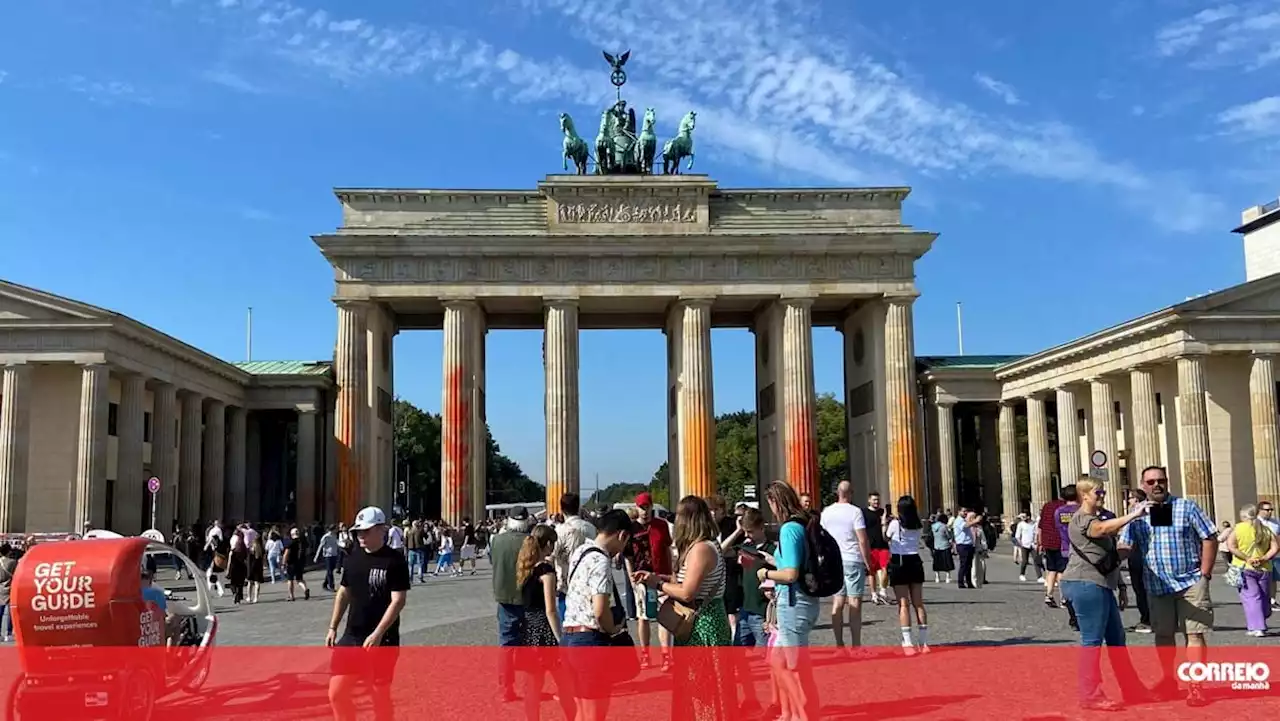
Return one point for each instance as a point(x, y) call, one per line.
point(1256, 634)
point(1022, 578)
point(908, 649)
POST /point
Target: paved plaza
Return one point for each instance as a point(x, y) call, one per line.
point(460, 612)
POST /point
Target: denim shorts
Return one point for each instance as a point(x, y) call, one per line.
point(855, 580)
point(795, 623)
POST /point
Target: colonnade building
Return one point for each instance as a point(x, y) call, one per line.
point(94, 403)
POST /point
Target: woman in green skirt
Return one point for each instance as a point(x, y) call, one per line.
point(702, 675)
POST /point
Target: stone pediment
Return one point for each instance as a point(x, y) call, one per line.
point(1259, 296)
point(20, 303)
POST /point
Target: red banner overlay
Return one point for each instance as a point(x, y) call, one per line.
point(441, 683)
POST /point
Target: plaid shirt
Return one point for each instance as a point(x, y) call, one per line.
point(1170, 556)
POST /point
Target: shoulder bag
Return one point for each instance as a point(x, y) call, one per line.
point(625, 665)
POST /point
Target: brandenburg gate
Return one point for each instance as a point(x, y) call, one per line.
point(673, 252)
point(627, 248)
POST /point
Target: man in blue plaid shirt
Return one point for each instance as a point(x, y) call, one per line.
point(1177, 565)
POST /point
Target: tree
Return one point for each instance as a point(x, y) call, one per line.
point(737, 458)
point(417, 437)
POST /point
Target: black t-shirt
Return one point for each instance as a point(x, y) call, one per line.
point(370, 579)
point(875, 528)
point(468, 535)
point(296, 552)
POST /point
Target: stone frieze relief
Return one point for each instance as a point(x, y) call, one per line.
point(626, 211)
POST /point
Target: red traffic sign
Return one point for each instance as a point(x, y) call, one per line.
point(153, 484)
point(1098, 459)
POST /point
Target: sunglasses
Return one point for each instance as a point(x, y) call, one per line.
point(1155, 481)
point(1265, 508)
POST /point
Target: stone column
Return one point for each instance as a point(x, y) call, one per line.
point(560, 359)
point(1262, 405)
point(215, 459)
point(351, 416)
point(1104, 435)
point(457, 422)
point(234, 495)
point(1038, 456)
point(253, 470)
point(15, 446)
point(1009, 460)
point(190, 472)
point(989, 459)
point(1146, 432)
point(947, 457)
point(130, 496)
point(695, 418)
point(900, 400)
point(91, 463)
point(1193, 433)
point(1068, 437)
point(479, 426)
point(164, 457)
point(799, 399)
point(306, 485)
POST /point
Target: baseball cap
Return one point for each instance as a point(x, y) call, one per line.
point(518, 513)
point(644, 499)
point(368, 518)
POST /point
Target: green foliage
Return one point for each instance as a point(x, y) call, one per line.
point(417, 443)
point(737, 457)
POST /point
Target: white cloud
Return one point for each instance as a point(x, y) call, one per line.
point(770, 89)
point(106, 92)
point(232, 81)
point(1004, 91)
point(3, 75)
point(1260, 118)
point(1244, 35)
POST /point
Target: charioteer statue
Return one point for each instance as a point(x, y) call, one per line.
point(619, 149)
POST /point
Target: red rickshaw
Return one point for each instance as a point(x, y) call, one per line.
point(92, 643)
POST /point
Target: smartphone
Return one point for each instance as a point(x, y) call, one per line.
point(1161, 515)
point(755, 555)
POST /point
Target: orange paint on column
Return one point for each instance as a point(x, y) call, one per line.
point(455, 448)
point(697, 469)
point(802, 452)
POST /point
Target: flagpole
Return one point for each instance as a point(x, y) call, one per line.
point(960, 328)
point(248, 335)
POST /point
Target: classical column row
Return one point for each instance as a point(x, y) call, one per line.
point(1193, 439)
point(463, 463)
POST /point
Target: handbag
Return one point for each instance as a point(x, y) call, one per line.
point(220, 561)
point(678, 618)
point(1234, 577)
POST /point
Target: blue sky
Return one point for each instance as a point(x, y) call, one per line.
point(1084, 163)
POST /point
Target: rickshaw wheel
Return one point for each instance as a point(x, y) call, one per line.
point(11, 699)
point(197, 680)
point(139, 697)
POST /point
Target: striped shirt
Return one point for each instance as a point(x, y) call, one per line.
point(712, 585)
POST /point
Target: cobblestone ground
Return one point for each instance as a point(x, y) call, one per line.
point(460, 612)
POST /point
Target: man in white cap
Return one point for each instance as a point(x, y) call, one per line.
point(375, 585)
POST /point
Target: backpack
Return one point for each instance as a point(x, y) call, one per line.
point(822, 573)
point(989, 530)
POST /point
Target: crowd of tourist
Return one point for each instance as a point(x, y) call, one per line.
point(711, 579)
